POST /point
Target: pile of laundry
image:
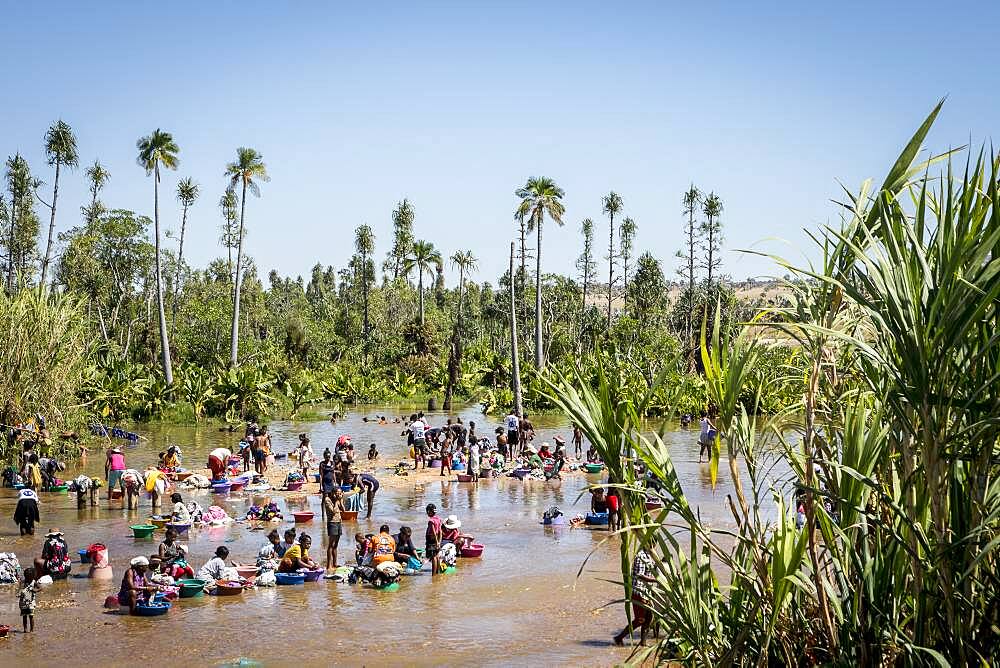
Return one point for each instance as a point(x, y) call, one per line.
point(382, 575)
point(214, 516)
point(266, 513)
point(83, 483)
point(196, 481)
point(10, 568)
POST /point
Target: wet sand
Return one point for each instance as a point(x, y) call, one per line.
point(520, 604)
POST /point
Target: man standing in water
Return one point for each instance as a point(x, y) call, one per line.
point(261, 450)
point(526, 431)
point(512, 422)
point(418, 431)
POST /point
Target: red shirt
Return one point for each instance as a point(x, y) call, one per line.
point(433, 528)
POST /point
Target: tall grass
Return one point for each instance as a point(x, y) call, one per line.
point(43, 351)
point(892, 450)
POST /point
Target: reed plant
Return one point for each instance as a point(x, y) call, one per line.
point(44, 345)
point(890, 455)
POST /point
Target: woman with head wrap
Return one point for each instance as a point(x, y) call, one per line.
point(26, 513)
point(136, 586)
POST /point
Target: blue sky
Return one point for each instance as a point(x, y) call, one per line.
point(454, 105)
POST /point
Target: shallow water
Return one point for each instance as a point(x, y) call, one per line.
point(521, 603)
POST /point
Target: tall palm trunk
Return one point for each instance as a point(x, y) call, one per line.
point(583, 308)
point(611, 266)
point(711, 251)
point(234, 341)
point(515, 364)
point(420, 291)
point(177, 274)
point(364, 298)
point(168, 373)
point(455, 349)
point(539, 353)
point(522, 278)
point(52, 227)
point(461, 292)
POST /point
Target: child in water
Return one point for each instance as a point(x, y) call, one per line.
point(361, 551)
point(26, 600)
point(372, 453)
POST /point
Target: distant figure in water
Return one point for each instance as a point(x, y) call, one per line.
point(707, 436)
point(372, 453)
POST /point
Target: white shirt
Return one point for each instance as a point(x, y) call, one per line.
point(213, 570)
point(417, 428)
point(221, 453)
point(512, 422)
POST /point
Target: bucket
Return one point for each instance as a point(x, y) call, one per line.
point(97, 555)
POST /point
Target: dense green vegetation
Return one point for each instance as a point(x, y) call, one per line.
point(164, 339)
point(892, 450)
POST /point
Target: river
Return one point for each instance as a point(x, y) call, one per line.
point(521, 603)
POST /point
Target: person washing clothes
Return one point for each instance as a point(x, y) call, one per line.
point(26, 512)
point(217, 462)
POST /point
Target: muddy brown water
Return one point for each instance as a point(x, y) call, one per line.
point(520, 604)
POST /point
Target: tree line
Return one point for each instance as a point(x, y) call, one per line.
point(409, 332)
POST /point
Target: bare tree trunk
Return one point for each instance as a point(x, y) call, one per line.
point(100, 321)
point(52, 227)
point(168, 372)
point(177, 274)
point(515, 364)
point(234, 340)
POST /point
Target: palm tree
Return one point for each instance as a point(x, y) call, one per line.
point(466, 262)
point(524, 227)
point(228, 203)
point(626, 234)
point(20, 183)
point(586, 265)
point(540, 196)
point(245, 172)
point(98, 176)
point(712, 229)
point(60, 147)
point(187, 192)
point(690, 202)
point(158, 149)
point(402, 223)
point(515, 374)
point(612, 204)
point(422, 257)
point(364, 243)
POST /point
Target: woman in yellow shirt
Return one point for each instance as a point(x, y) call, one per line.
point(297, 556)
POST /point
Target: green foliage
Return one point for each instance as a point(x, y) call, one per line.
point(44, 347)
point(892, 448)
